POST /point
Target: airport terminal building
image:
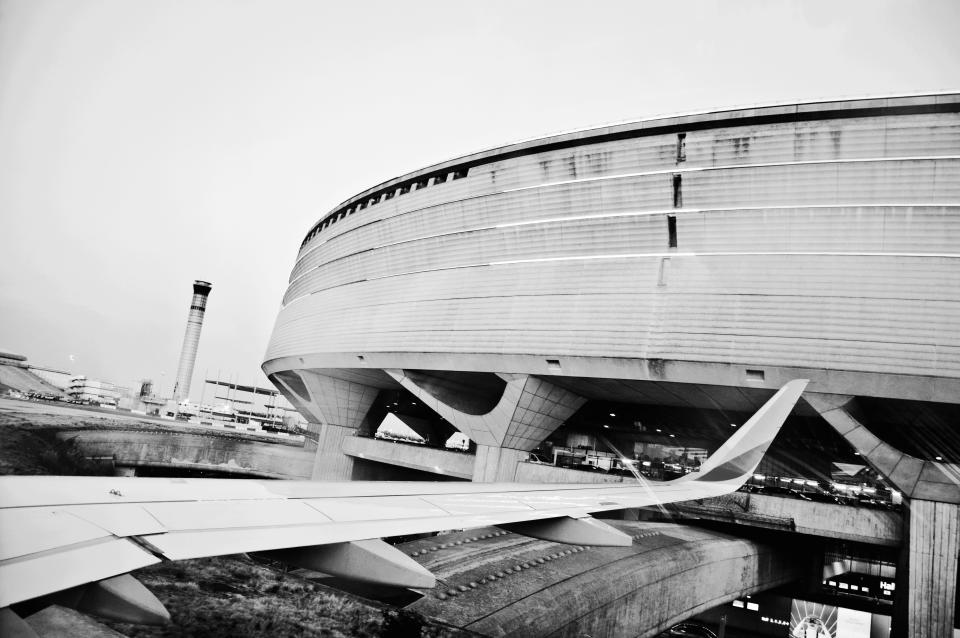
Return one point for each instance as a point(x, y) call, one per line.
point(653, 280)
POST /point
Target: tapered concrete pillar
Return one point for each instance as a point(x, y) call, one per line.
point(330, 463)
point(497, 464)
point(291, 385)
point(527, 412)
point(926, 591)
point(340, 407)
point(925, 597)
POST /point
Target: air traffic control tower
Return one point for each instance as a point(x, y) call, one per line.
point(188, 353)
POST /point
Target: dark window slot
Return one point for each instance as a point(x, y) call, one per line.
point(672, 230)
point(390, 195)
point(460, 174)
point(439, 179)
point(678, 191)
point(681, 147)
point(404, 189)
point(422, 184)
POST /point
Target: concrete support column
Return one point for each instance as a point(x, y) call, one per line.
point(927, 573)
point(495, 464)
point(342, 406)
point(330, 463)
point(527, 412)
point(925, 601)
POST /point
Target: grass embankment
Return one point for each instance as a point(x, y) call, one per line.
point(31, 450)
point(233, 596)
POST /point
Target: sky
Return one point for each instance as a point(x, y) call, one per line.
point(145, 144)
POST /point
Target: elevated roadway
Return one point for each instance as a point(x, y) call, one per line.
point(827, 520)
point(496, 583)
point(453, 464)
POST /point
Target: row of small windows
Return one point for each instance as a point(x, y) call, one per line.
point(382, 196)
point(681, 156)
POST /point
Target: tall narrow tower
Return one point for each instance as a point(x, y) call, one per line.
point(188, 353)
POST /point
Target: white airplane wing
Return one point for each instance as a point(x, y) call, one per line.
point(62, 533)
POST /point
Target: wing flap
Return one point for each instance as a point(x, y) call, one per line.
point(30, 531)
point(47, 572)
point(120, 519)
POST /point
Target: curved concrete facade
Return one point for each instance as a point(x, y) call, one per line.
point(736, 248)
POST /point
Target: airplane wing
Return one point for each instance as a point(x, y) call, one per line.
point(62, 533)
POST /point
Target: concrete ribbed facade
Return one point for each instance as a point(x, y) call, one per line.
point(733, 248)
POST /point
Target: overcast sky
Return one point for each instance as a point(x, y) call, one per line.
point(145, 144)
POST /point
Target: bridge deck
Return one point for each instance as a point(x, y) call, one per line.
point(500, 584)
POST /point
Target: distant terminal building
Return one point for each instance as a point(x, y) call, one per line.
point(651, 278)
point(57, 378)
point(229, 403)
point(17, 377)
point(92, 391)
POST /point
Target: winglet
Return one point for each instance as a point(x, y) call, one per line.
point(740, 455)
